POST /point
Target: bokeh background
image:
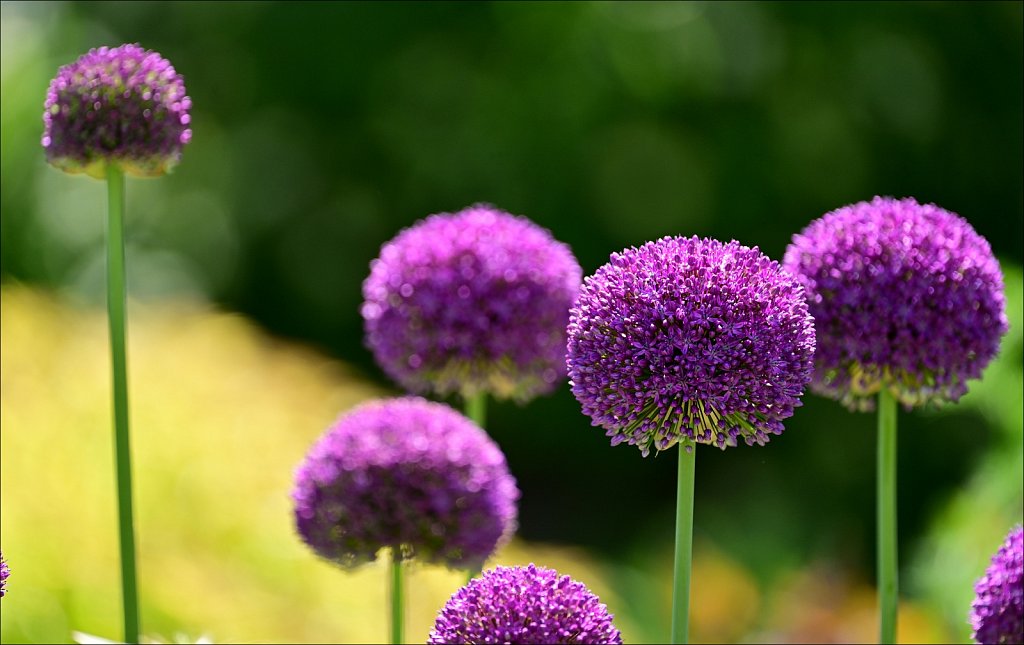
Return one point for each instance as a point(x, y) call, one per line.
point(322, 129)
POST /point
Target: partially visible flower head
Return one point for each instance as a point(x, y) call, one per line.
point(690, 340)
point(472, 302)
point(5, 571)
point(524, 605)
point(997, 613)
point(124, 105)
point(904, 296)
point(405, 473)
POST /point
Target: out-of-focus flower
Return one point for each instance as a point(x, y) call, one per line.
point(524, 605)
point(997, 613)
point(904, 296)
point(475, 301)
point(5, 572)
point(688, 339)
point(124, 105)
point(410, 474)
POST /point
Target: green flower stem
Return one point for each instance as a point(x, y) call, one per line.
point(397, 597)
point(888, 590)
point(116, 297)
point(476, 410)
point(684, 543)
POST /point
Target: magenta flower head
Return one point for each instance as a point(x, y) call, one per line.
point(904, 296)
point(5, 572)
point(474, 302)
point(524, 605)
point(124, 105)
point(410, 474)
point(997, 613)
point(690, 340)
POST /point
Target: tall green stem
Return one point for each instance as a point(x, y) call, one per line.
point(476, 410)
point(888, 589)
point(116, 296)
point(684, 543)
point(397, 597)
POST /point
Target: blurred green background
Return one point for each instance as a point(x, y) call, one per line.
point(321, 129)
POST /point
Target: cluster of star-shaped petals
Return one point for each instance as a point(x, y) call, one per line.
point(5, 571)
point(475, 301)
point(410, 474)
point(692, 340)
point(524, 605)
point(123, 105)
point(997, 613)
point(904, 296)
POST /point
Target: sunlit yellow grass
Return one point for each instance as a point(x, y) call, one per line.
point(221, 415)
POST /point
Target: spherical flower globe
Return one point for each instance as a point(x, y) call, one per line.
point(5, 571)
point(472, 302)
point(524, 605)
point(904, 296)
point(690, 340)
point(997, 613)
point(124, 105)
point(410, 474)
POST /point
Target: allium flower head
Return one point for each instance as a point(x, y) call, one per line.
point(470, 302)
point(904, 296)
point(405, 473)
point(997, 613)
point(690, 340)
point(124, 105)
point(5, 571)
point(524, 605)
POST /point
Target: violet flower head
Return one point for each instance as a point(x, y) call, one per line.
point(904, 296)
point(475, 301)
point(5, 572)
point(524, 605)
point(997, 613)
point(124, 105)
point(405, 473)
point(690, 340)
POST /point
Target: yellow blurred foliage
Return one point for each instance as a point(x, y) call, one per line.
point(725, 601)
point(823, 604)
point(221, 415)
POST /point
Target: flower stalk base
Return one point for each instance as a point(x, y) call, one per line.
point(684, 543)
point(116, 301)
point(397, 596)
point(888, 590)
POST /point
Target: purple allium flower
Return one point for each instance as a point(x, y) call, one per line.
point(405, 473)
point(688, 339)
point(124, 105)
point(524, 605)
point(5, 571)
point(904, 296)
point(997, 613)
point(472, 302)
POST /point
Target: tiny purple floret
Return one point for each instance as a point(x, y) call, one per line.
point(904, 296)
point(997, 613)
point(125, 106)
point(405, 473)
point(690, 340)
point(524, 605)
point(5, 572)
point(472, 302)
